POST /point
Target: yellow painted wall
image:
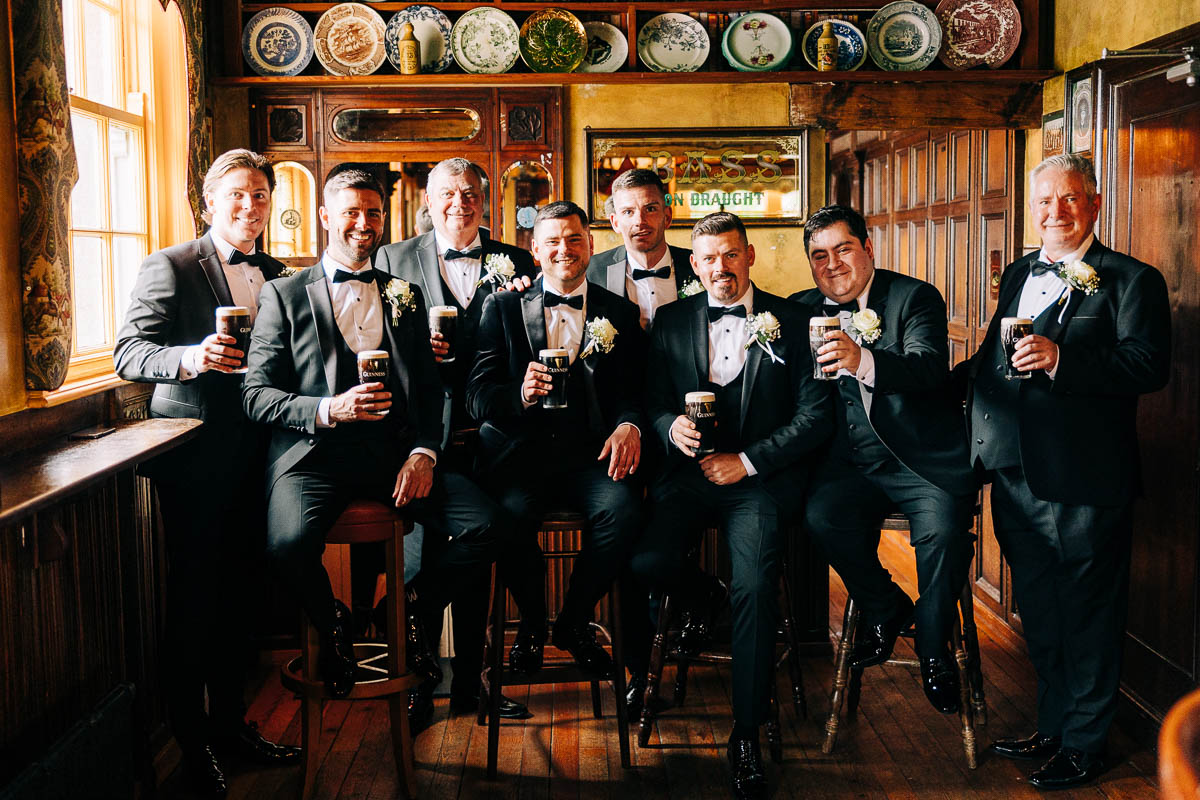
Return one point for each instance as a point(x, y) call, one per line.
point(780, 265)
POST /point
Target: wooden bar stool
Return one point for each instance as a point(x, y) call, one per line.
point(382, 669)
point(557, 670)
point(964, 640)
point(790, 655)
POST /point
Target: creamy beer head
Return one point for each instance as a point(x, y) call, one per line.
point(824, 322)
point(444, 320)
point(553, 352)
point(700, 397)
point(443, 311)
point(232, 311)
point(817, 328)
point(702, 411)
point(1008, 322)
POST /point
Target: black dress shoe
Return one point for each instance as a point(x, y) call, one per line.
point(527, 651)
point(746, 768)
point(417, 652)
point(1038, 745)
point(420, 708)
point(635, 696)
point(468, 703)
point(940, 680)
point(696, 627)
point(876, 642)
point(203, 771)
point(1066, 768)
point(336, 659)
point(245, 740)
point(579, 640)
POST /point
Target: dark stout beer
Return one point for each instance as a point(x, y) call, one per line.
point(702, 411)
point(557, 362)
point(235, 321)
point(444, 320)
point(373, 368)
point(817, 328)
point(1013, 330)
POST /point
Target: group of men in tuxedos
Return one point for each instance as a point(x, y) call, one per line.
point(300, 437)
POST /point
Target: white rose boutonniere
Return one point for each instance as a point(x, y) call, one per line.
point(601, 334)
point(690, 288)
point(1081, 276)
point(500, 270)
point(866, 325)
point(399, 295)
point(287, 272)
point(762, 330)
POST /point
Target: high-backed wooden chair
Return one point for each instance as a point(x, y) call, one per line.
point(1179, 750)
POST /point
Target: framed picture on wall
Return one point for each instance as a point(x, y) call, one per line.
point(1080, 108)
point(1053, 134)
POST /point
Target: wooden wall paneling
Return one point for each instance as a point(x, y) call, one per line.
point(870, 187)
point(995, 160)
point(994, 244)
point(959, 269)
point(901, 181)
point(920, 173)
point(919, 231)
point(882, 176)
point(905, 105)
point(938, 261)
point(960, 165)
point(939, 168)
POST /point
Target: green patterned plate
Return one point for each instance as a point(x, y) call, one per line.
point(553, 40)
point(484, 41)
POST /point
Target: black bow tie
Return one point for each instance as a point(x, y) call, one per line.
point(253, 259)
point(475, 253)
point(550, 300)
point(1041, 268)
point(366, 276)
point(852, 307)
point(661, 272)
point(716, 312)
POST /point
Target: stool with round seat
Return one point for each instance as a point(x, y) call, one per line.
point(382, 669)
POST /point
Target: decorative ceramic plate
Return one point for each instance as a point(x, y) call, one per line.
point(607, 48)
point(484, 41)
point(757, 42)
point(904, 36)
point(978, 32)
point(553, 40)
point(673, 43)
point(432, 29)
point(277, 41)
point(852, 47)
point(349, 39)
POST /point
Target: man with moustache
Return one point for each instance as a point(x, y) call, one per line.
point(1060, 448)
point(584, 454)
point(771, 416)
point(334, 440)
point(451, 266)
point(899, 444)
point(209, 489)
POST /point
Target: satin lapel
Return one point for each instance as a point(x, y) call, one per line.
point(322, 309)
point(431, 271)
point(395, 337)
point(591, 312)
point(210, 262)
point(754, 358)
point(878, 296)
point(1058, 323)
point(535, 318)
point(614, 279)
point(700, 342)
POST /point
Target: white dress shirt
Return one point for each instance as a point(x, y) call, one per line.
point(460, 274)
point(1040, 291)
point(727, 350)
point(564, 325)
point(866, 360)
point(245, 282)
point(649, 293)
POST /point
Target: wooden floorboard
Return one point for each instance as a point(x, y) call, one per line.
point(897, 747)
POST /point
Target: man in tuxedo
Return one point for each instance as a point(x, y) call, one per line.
point(771, 416)
point(645, 269)
point(451, 266)
point(533, 457)
point(1060, 448)
point(899, 444)
point(335, 439)
point(210, 489)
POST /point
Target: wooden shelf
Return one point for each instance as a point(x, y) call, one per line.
point(655, 6)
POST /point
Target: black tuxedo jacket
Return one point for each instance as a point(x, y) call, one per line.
point(785, 413)
point(511, 332)
point(912, 408)
point(1077, 433)
point(608, 269)
point(173, 307)
point(293, 363)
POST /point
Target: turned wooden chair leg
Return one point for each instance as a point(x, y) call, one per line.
point(618, 653)
point(658, 649)
point(795, 672)
point(310, 714)
point(965, 717)
point(970, 634)
point(841, 676)
point(773, 729)
point(495, 659)
point(398, 665)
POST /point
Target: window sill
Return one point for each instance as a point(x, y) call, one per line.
point(73, 390)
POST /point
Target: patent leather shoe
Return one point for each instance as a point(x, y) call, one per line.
point(468, 702)
point(579, 640)
point(635, 696)
point(417, 653)
point(336, 658)
point(420, 708)
point(1038, 745)
point(746, 769)
point(940, 681)
point(695, 631)
point(876, 642)
point(245, 740)
point(203, 771)
point(527, 651)
point(1067, 768)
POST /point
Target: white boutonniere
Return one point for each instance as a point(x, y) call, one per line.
point(866, 325)
point(399, 295)
point(600, 334)
point(762, 330)
point(500, 270)
point(1081, 276)
point(690, 288)
point(287, 272)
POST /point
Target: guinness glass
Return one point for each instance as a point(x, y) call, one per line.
point(235, 321)
point(1013, 330)
point(373, 368)
point(702, 411)
point(557, 362)
point(817, 328)
point(444, 320)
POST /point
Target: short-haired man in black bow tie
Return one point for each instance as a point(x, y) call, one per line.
point(1060, 448)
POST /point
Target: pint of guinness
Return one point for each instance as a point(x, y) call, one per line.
point(373, 368)
point(235, 321)
point(444, 320)
point(557, 362)
point(702, 411)
point(817, 328)
point(1013, 330)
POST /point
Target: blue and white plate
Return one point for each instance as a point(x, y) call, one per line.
point(852, 47)
point(432, 29)
point(277, 41)
point(904, 36)
point(757, 42)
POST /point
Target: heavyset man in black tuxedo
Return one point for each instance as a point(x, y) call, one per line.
point(532, 458)
point(1061, 451)
point(772, 415)
point(335, 439)
point(900, 443)
point(210, 489)
point(450, 265)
